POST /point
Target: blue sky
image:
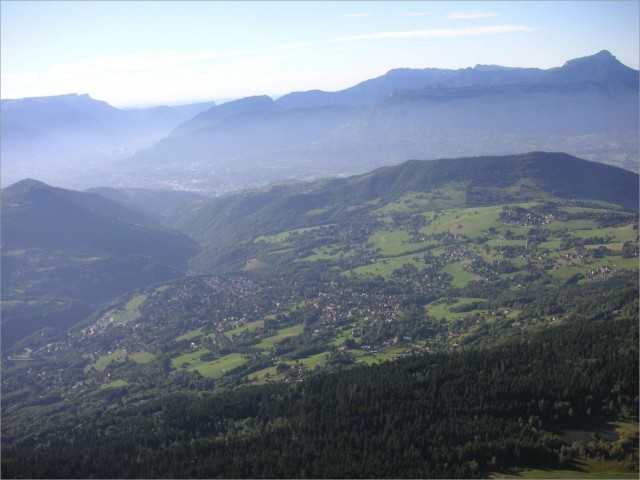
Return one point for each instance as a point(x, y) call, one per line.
point(132, 53)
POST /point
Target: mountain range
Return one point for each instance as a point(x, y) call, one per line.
point(46, 135)
point(587, 107)
point(602, 68)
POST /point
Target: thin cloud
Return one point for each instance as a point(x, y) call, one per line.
point(470, 15)
point(359, 15)
point(253, 61)
point(290, 46)
point(141, 68)
point(151, 61)
point(439, 33)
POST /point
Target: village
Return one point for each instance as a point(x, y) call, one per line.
point(386, 285)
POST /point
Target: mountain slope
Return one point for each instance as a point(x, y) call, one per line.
point(479, 271)
point(64, 252)
point(38, 216)
point(372, 91)
point(456, 415)
point(218, 113)
point(251, 141)
point(443, 256)
point(602, 68)
point(562, 175)
point(276, 208)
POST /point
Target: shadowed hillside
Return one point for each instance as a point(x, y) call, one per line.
point(64, 252)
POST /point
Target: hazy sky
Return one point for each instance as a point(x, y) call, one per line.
point(145, 53)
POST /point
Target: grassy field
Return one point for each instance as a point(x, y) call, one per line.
point(584, 467)
point(102, 362)
point(341, 337)
point(208, 368)
point(503, 242)
point(626, 263)
point(284, 236)
point(115, 384)
point(386, 266)
point(272, 374)
point(565, 269)
point(618, 234)
point(253, 264)
point(390, 242)
point(410, 202)
point(327, 252)
point(551, 245)
point(442, 310)
point(217, 368)
point(469, 221)
point(460, 276)
point(573, 225)
point(318, 211)
point(276, 238)
point(251, 326)
point(142, 357)
point(268, 343)
point(311, 361)
point(119, 355)
point(188, 358)
point(319, 359)
point(130, 311)
point(587, 468)
point(605, 209)
point(261, 376)
point(192, 334)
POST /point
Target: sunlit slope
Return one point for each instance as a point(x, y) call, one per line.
point(220, 224)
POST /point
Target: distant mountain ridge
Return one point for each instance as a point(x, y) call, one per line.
point(58, 113)
point(588, 107)
point(41, 133)
point(602, 67)
point(213, 116)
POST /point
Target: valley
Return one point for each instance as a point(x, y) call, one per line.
point(423, 272)
point(304, 283)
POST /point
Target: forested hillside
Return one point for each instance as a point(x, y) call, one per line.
point(460, 415)
point(454, 318)
point(64, 252)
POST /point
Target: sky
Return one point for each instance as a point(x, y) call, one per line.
point(143, 53)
